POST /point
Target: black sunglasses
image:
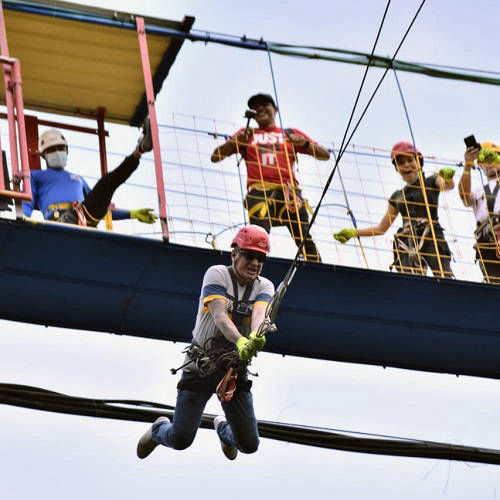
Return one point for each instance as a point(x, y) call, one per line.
point(252, 254)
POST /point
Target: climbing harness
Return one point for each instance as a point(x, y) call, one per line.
point(219, 354)
point(69, 212)
point(407, 248)
point(487, 233)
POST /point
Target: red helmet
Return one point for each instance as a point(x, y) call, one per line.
point(252, 237)
point(404, 147)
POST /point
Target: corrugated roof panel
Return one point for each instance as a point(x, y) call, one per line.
point(75, 67)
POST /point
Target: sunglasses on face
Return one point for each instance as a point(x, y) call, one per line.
point(252, 254)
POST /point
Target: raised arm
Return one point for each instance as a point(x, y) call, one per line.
point(471, 154)
point(345, 235)
point(444, 180)
point(232, 145)
point(309, 147)
point(384, 224)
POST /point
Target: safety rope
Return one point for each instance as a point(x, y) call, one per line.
point(350, 213)
point(490, 223)
point(285, 148)
point(293, 267)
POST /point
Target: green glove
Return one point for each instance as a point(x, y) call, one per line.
point(245, 348)
point(145, 215)
point(345, 235)
point(257, 341)
point(447, 173)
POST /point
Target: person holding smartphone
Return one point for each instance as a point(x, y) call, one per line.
point(485, 202)
point(416, 242)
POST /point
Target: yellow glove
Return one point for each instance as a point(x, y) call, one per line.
point(145, 215)
point(345, 235)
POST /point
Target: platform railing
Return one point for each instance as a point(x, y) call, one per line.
point(205, 202)
point(17, 133)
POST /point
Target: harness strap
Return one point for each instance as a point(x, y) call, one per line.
point(61, 206)
point(76, 206)
point(238, 317)
point(419, 240)
point(491, 197)
point(227, 386)
point(269, 186)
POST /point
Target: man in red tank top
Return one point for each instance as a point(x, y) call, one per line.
point(274, 197)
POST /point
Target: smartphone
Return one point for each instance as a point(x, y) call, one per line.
point(471, 142)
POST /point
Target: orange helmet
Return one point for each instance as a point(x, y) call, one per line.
point(405, 148)
point(252, 237)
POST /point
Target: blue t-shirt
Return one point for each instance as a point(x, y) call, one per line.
point(53, 185)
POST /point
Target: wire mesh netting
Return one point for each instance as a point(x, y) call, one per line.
point(206, 200)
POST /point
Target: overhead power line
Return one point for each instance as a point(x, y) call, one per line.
point(146, 411)
point(244, 42)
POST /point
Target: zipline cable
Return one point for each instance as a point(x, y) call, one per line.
point(272, 308)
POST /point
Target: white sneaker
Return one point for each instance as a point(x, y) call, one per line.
point(146, 444)
point(229, 450)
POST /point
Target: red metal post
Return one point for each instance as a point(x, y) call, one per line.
point(32, 138)
point(2, 177)
point(21, 128)
point(14, 94)
point(148, 83)
point(14, 103)
point(9, 102)
point(101, 134)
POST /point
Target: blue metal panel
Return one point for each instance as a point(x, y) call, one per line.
point(62, 276)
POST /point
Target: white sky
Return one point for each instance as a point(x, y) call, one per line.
point(56, 456)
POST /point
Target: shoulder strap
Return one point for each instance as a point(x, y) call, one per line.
point(238, 317)
point(235, 282)
point(491, 197)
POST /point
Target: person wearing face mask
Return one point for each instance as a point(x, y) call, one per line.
point(485, 201)
point(66, 197)
point(416, 241)
point(274, 197)
point(231, 310)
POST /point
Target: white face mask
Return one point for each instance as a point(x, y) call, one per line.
point(56, 159)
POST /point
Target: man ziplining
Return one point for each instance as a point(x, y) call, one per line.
point(229, 330)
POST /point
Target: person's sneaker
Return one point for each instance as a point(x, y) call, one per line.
point(229, 450)
point(145, 142)
point(146, 444)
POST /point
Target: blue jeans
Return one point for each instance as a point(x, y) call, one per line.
point(240, 429)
